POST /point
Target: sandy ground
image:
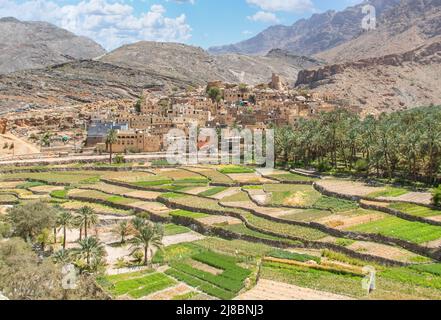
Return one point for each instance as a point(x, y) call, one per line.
point(4, 209)
point(272, 290)
point(21, 147)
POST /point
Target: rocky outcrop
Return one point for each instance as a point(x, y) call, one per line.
point(424, 55)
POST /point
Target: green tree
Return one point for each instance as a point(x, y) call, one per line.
point(29, 220)
point(147, 239)
point(122, 229)
point(45, 139)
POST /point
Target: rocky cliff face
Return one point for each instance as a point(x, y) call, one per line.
point(382, 84)
point(429, 54)
point(407, 26)
point(31, 45)
point(309, 36)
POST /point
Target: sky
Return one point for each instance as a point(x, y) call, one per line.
point(202, 23)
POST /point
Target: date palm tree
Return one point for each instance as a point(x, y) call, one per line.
point(88, 217)
point(112, 137)
point(90, 250)
point(123, 230)
point(149, 237)
point(65, 220)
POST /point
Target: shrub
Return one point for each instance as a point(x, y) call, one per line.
point(361, 165)
point(324, 166)
point(119, 159)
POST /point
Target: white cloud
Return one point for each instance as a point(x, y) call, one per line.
point(283, 5)
point(262, 16)
point(111, 24)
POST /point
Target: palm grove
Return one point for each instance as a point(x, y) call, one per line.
point(404, 146)
point(32, 258)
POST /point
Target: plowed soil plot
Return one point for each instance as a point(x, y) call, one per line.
point(418, 197)
point(133, 176)
point(272, 290)
point(10, 184)
point(249, 178)
point(45, 189)
point(384, 251)
point(170, 293)
point(351, 188)
point(154, 207)
point(212, 220)
point(181, 238)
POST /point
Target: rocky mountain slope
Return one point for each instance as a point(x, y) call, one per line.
point(409, 25)
point(73, 83)
point(383, 84)
point(125, 72)
point(31, 45)
point(309, 36)
point(194, 65)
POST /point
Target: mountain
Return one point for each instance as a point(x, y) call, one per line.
point(393, 67)
point(194, 65)
point(409, 25)
point(125, 72)
point(31, 45)
point(382, 84)
point(309, 36)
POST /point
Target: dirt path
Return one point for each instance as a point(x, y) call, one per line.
point(21, 147)
point(272, 290)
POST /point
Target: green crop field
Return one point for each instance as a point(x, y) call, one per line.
point(138, 285)
point(416, 232)
point(71, 177)
point(389, 192)
point(415, 210)
point(173, 229)
point(291, 177)
point(232, 169)
point(224, 285)
point(212, 191)
point(188, 214)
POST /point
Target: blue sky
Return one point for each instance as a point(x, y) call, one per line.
point(202, 23)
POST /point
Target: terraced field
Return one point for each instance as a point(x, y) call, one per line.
point(225, 224)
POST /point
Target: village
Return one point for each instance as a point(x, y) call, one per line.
point(142, 124)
